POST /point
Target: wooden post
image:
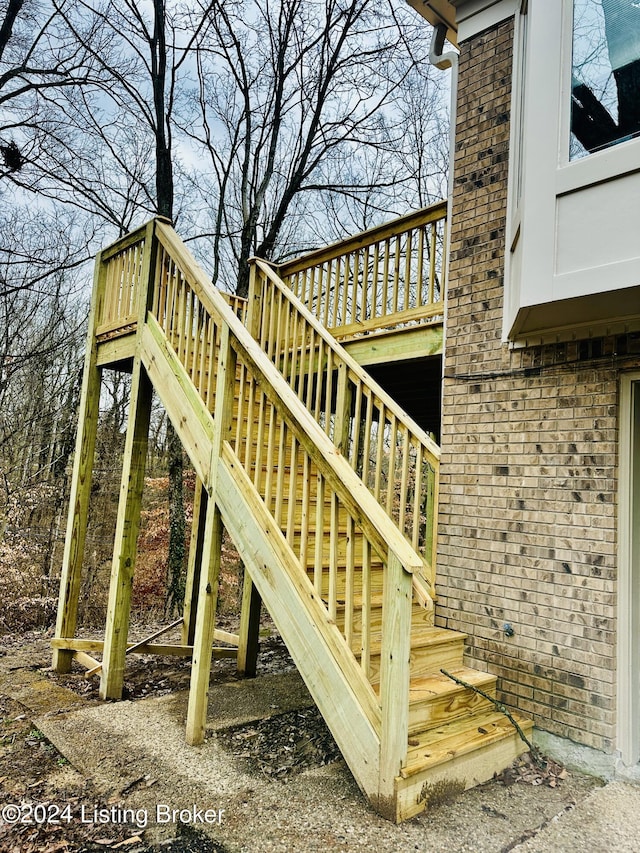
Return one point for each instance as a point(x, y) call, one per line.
point(249, 634)
point(127, 525)
point(131, 486)
point(212, 544)
point(80, 481)
point(394, 677)
point(194, 563)
point(254, 303)
point(344, 394)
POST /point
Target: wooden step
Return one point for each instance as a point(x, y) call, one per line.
point(431, 649)
point(435, 699)
point(457, 755)
point(420, 618)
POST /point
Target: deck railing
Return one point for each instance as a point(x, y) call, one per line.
point(121, 265)
point(391, 454)
point(389, 276)
point(270, 453)
point(339, 536)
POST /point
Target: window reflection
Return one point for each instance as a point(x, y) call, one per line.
point(605, 90)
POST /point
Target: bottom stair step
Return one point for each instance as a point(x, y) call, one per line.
point(458, 755)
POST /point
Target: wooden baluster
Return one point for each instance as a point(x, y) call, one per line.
point(396, 274)
point(392, 463)
point(318, 561)
point(292, 492)
point(329, 392)
point(355, 298)
point(333, 270)
point(280, 473)
point(365, 309)
point(432, 264)
point(365, 640)
point(334, 560)
point(346, 280)
point(385, 279)
point(305, 510)
point(257, 474)
point(374, 282)
point(404, 478)
point(249, 427)
point(268, 484)
point(356, 430)
point(419, 269)
point(344, 397)
point(408, 248)
point(379, 452)
point(431, 526)
point(417, 498)
point(349, 581)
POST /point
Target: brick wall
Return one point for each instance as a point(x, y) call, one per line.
point(527, 530)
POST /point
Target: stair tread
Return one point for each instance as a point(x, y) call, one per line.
point(460, 737)
point(425, 687)
point(425, 636)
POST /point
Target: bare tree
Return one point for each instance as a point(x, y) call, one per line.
point(300, 101)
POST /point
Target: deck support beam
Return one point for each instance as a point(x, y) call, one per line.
point(196, 544)
point(211, 548)
point(249, 632)
point(80, 492)
point(127, 525)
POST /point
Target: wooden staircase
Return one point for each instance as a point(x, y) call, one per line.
point(329, 492)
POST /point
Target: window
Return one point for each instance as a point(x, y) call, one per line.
point(605, 83)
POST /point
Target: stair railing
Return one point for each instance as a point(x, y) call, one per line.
point(344, 545)
point(391, 275)
point(388, 450)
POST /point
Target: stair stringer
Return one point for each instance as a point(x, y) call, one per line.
point(336, 682)
point(333, 676)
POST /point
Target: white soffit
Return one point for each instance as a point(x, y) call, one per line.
point(438, 12)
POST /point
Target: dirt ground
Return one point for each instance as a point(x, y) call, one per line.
point(77, 774)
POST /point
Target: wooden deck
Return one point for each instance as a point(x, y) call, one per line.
point(327, 487)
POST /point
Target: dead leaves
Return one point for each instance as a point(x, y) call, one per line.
point(525, 769)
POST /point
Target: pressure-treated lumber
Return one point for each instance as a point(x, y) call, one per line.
point(127, 524)
point(249, 628)
point(394, 681)
point(321, 481)
point(194, 562)
point(80, 482)
point(211, 549)
point(341, 692)
point(131, 486)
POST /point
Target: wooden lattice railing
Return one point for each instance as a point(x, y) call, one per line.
point(389, 276)
point(391, 454)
